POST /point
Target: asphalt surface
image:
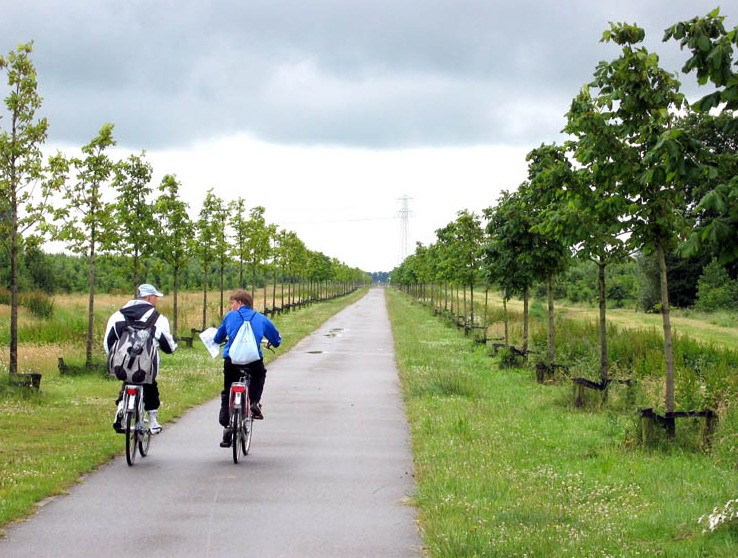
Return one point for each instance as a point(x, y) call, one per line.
point(329, 472)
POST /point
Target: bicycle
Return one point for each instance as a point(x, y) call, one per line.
point(136, 424)
point(241, 422)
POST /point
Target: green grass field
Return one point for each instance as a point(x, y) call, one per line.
point(504, 466)
point(508, 467)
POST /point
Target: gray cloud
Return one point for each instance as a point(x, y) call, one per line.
point(376, 73)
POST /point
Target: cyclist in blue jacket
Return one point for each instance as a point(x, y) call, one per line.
point(242, 309)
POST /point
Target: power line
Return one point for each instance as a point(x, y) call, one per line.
point(339, 220)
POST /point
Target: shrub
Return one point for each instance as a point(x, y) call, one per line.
point(38, 303)
point(715, 289)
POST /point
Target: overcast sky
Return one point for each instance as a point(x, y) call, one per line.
point(328, 112)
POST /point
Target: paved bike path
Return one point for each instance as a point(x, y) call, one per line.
point(329, 473)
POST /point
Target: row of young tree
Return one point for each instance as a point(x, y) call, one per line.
point(95, 205)
point(644, 172)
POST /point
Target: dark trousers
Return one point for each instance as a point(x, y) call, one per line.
point(150, 396)
point(232, 373)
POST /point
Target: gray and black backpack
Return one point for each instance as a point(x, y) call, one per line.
point(132, 358)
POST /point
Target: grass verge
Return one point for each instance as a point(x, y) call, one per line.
point(507, 467)
point(49, 439)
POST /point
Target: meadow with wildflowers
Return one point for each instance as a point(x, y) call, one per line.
point(509, 467)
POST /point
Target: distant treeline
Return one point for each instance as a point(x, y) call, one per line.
point(65, 273)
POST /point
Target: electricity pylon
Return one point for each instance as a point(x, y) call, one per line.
point(404, 215)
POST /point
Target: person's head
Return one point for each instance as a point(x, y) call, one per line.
point(241, 298)
point(148, 293)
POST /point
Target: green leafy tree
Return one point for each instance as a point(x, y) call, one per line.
point(240, 237)
point(713, 59)
point(712, 207)
point(593, 214)
point(85, 220)
point(282, 255)
point(549, 174)
point(206, 232)
point(639, 100)
point(174, 234)
point(716, 290)
point(133, 212)
point(219, 222)
point(444, 256)
point(21, 170)
point(318, 271)
point(467, 246)
point(507, 253)
point(295, 264)
point(271, 262)
point(256, 241)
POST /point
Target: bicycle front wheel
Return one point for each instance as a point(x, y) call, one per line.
point(131, 437)
point(237, 436)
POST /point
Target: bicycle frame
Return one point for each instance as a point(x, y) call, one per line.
point(239, 396)
point(130, 392)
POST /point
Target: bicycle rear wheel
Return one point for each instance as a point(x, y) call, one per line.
point(131, 437)
point(237, 436)
point(144, 438)
point(247, 427)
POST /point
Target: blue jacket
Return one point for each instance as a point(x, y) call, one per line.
point(260, 325)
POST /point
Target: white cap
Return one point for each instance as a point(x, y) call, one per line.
point(147, 290)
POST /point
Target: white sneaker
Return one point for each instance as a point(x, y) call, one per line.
point(154, 425)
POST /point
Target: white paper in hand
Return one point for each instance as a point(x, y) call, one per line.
point(207, 338)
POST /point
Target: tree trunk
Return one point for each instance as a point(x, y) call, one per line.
point(604, 364)
point(551, 349)
point(466, 321)
point(175, 273)
point(265, 292)
point(222, 287)
point(204, 301)
point(253, 279)
point(504, 312)
point(668, 347)
point(274, 290)
point(136, 274)
point(525, 320)
point(14, 285)
point(471, 303)
point(486, 310)
point(90, 304)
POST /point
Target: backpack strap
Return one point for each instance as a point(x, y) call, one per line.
point(152, 319)
point(242, 318)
